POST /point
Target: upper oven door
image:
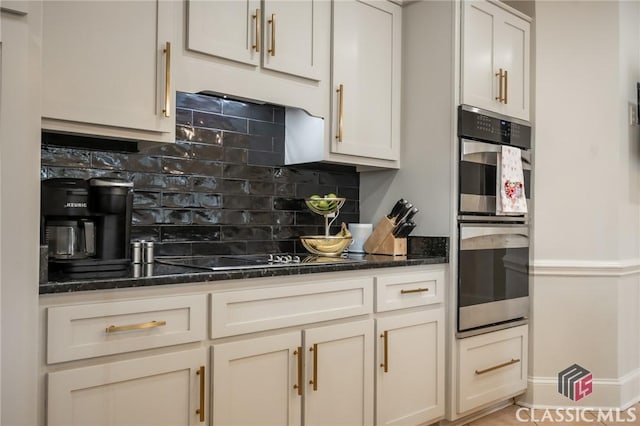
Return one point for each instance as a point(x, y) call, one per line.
point(478, 176)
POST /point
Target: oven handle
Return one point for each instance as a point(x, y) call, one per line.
point(483, 237)
point(472, 151)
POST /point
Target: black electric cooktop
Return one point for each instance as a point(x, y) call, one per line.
point(221, 263)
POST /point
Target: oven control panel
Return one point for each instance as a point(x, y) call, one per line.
point(477, 124)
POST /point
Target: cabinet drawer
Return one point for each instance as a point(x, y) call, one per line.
point(247, 311)
point(90, 330)
point(491, 367)
point(408, 290)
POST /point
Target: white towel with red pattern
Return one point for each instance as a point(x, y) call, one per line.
point(510, 199)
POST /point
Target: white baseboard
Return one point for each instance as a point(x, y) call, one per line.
point(620, 393)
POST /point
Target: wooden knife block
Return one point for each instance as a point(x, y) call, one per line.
point(382, 240)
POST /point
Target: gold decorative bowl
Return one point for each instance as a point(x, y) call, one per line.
point(326, 246)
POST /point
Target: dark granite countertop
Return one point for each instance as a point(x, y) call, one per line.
point(427, 251)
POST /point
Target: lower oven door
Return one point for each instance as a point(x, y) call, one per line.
point(478, 175)
point(493, 274)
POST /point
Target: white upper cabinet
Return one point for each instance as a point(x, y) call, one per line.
point(366, 79)
point(282, 33)
point(495, 59)
point(107, 68)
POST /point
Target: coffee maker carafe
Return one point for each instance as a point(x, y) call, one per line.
point(86, 225)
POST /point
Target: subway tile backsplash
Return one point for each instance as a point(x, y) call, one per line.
point(221, 188)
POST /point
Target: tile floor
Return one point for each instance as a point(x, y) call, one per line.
point(510, 416)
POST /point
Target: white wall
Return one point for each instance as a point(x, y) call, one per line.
point(19, 224)
point(427, 114)
point(586, 283)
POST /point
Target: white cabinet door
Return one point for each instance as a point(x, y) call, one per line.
point(227, 29)
point(410, 368)
point(253, 381)
point(283, 33)
point(339, 369)
point(290, 37)
point(105, 65)
point(495, 41)
point(366, 79)
point(153, 391)
point(512, 54)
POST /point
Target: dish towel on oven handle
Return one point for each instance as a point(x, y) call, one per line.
point(510, 198)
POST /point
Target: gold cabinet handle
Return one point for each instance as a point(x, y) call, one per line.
point(298, 385)
point(414, 290)
point(385, 351)
point(152, 324)
point(257, 17)
point(200, 411)
point(272, 21)
point(495, 367)
point(167, 80)
point(506, 86)
point(500, 76)
point(314, 381)
point(340, 92)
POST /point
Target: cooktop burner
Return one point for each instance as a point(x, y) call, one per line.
point(221, 263)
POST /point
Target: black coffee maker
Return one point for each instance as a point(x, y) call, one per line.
point(86, 225)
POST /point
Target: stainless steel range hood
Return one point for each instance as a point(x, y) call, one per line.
point(304, 137)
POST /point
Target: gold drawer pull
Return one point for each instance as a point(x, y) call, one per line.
point(340, 92)
point(414, 290)
point(152, 324)
point(506, 86)
point(495, 367)
point(257, 17)
point(200, 410)
point(299, 386)
point(167, 80)
point(272, 21)
point(385, 351)
point(314, 381)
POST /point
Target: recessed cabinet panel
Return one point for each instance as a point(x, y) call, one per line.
point(156, 390)
point(107, 66)
point(366, 79)
point(491, 367)
point(339, 385)
point(495, 58)
point(410, 377)
point(478, 60)
point(253, 382)
point(289, 36)
point(227, 29)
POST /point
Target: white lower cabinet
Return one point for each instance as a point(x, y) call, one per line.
point(491, 367)
point(410, 368)
point(154, 390)
point(266, 380)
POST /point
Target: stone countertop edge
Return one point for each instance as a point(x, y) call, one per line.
point(191, 276)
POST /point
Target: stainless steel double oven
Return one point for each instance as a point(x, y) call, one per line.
point(493, 250)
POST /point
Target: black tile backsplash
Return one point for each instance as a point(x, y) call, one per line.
point(222, 188)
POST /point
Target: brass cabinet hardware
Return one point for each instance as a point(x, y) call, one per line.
point(385, 351)
point(152, 324)
point(506, 86)
point(257, 17)
point(272, 21)
point(314, 381)
point(298, 385)
point(167, 80)
point(414, 290)
point(200, 410)
point(340, 112)
point(495, 367)
point(500, 76)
